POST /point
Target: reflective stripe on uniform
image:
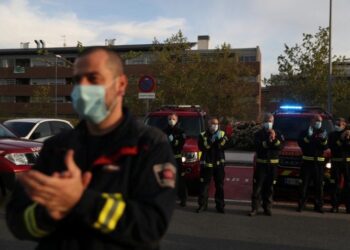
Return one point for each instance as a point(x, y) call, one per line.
point(277, 143)
point(286, 172)
point(111, 212)
point(30, 222)
point(310, 158)
point(267, 160)
point(325, 142)
point(178, 156)
point(339, 143)
point(209, 165)
point(264, 144)
point(347, 159)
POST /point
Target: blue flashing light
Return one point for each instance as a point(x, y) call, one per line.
point(291, 107)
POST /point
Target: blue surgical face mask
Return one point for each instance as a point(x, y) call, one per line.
point(268, 125)
point(89, 102)
point(338, 128)
point(318, 125)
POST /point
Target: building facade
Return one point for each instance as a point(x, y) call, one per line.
point(38, 81)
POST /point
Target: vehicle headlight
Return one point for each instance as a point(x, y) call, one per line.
point(328, 165)
point(190, 157)
point(17, 158)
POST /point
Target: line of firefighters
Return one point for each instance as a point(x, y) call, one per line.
point(268, 142)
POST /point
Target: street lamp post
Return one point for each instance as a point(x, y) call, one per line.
point(330, 60)
point(56, 57)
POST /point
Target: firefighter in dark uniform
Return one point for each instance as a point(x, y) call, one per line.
point(177, 138)
point(212, 143)
point(107, 184)
point(339, 143)
point(313, 142)
point(268, 143)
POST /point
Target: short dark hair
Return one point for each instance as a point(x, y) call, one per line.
point(115, 62)
point(340, 119)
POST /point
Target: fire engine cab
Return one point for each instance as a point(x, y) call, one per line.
point(192, 120)
point(291, 121)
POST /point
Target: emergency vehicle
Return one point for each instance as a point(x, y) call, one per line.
point(291, 121)
point(192, 120)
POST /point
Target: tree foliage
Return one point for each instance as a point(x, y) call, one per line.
point(303, 73)
point(214, 79)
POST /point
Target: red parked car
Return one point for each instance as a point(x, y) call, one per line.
point(16, 156)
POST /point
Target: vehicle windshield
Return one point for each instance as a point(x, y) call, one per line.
point(292, 126)
point(21, 129)
point(191, 125)
point(5, 133)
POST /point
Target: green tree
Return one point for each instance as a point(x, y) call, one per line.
point(303, 73)
point(214, 79)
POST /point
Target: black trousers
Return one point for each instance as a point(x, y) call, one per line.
point(339, 170)
point(311, 171)
point(182, 191)
point(263, 183)
point(206, 173)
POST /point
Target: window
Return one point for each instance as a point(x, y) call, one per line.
point(22, 81)
point(58, 127)
point(7, 99)
point(43, 130)
point(247, 58)
point(22, 99)
point(25, 62)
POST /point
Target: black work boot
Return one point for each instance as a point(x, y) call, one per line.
point(253, 213)
point(202, 208)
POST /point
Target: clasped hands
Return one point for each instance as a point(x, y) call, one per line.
point(60, 192)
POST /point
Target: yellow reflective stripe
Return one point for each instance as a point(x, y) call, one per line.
point(309, 158)
point(264, 144)
point(267, 160)
point(337, 159)
point(222, 133)
point(176, 143)
point(286, 172)
point(110, 213)
point(339, 143)
point(223, 142)
point(209, 165)
point(324, 143)
point(277, 143)
point(30, 222)
point(200, 154)
point(178, 156)
point(341, 159)
point(306, 140)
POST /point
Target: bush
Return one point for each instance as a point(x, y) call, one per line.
point(243, 136)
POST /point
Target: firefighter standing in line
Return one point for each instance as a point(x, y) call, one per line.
point(339, 143)
point(268, 143)
point(212, 143)
point(177, 138)
point(107, 184)
point(313, 142)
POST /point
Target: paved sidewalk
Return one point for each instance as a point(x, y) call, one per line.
point(240, 157)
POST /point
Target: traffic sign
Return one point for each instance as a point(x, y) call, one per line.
point(147, 84)
point(151, 95)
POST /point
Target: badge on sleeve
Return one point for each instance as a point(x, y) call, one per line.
point(165, 174)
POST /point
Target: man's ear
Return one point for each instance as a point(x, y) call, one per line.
point(122, 85)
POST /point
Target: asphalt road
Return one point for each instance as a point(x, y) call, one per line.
point(285, 230)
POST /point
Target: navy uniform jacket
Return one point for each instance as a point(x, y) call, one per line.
point(128, 203)
point(212, 147)
point(179, 138)
point(267, 150)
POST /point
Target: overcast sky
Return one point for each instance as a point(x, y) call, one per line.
point(242, 23)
